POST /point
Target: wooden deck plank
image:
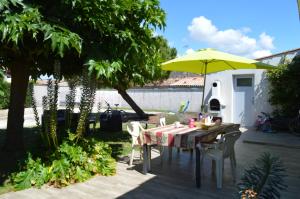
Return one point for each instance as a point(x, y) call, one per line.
point(173, 180)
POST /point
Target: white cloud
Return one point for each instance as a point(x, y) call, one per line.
point(235, 41)
point(189, 51)
point(261, 53)
point(266, 41)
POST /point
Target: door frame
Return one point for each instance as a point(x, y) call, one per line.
point(234, 82)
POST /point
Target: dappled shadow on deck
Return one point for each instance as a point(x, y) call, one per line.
point(176, 179)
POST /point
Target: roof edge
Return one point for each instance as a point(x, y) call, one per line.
point(276, 54)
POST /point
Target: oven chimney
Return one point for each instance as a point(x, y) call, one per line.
point(215, 102)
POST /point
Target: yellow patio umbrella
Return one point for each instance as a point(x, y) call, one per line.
point(206, 61)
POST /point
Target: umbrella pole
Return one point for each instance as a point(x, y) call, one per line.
point(204, 82)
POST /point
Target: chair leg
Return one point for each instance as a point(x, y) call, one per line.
point(131, 157)
point(141, 153)
point(170, 153)
point(161, 154)
point(149, 158)
point(232, 165)
point(191, 152)
point(219, 173)
point(213, 167)
point(223, 164)
point(201, 163)
point(234, 160)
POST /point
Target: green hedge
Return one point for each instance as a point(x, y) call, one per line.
point(5, 90)
point(285, 89)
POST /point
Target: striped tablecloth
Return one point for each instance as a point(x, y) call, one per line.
point(182, 137)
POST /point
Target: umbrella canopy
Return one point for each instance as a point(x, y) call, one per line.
point(206, 61)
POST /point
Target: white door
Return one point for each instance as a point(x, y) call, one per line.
point(243, 100)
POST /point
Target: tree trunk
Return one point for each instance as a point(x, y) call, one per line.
point(18, 89)
point(132, 103)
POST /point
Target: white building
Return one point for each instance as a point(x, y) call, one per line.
point(242, 94)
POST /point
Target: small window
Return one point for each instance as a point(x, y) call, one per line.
point(245, 82)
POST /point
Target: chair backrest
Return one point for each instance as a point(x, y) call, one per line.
point(137, 125)
point(162, 121)
point(226, 143)
point(183, 106)
point(134, 132)
point(186, 106)
point(232, 128)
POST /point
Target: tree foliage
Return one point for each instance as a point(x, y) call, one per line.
point(112, 31)
point(114, 36)
point(137, 68)
point(29, 46)
point(298, 2)
point(134, 51)
point(26, 34)
point(285, 90)
point(118, 41)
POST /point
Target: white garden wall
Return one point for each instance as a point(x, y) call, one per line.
point(168, 99)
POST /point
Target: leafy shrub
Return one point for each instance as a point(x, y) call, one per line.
point(36, 174)
point(264, 179)
point(285, 90)
point(69, 163)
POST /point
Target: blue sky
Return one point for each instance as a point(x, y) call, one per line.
point(250, 28)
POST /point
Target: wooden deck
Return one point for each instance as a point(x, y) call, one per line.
point(175, 179)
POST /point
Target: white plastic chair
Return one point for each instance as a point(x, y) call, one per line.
point(224, 148)
point(134, 132)
point(162, 121)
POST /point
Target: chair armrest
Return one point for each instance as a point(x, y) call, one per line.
point(213, 145)
point(142, 128)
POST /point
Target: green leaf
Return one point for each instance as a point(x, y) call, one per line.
point(266, 177)
point(36, 174)
point(60, 172)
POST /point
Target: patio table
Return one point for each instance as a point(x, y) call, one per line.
point(182, 137)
